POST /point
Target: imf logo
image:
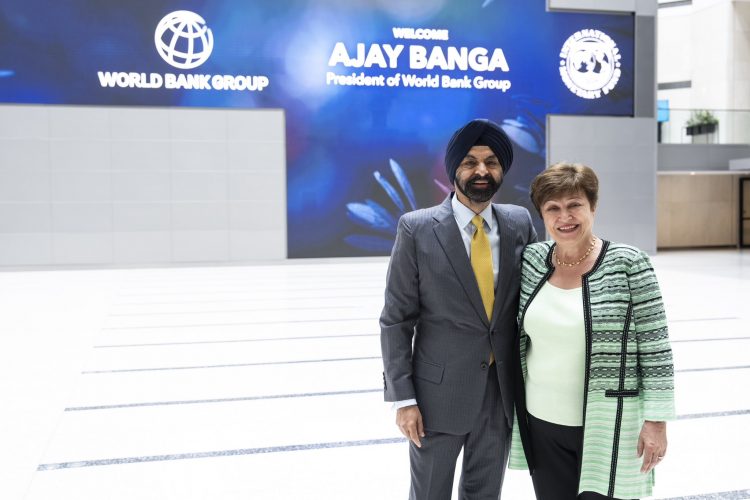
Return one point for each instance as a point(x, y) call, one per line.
point(183, 40)
point(590, 64)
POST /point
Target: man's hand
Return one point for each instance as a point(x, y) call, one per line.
point(652, 444)
point(409, 421)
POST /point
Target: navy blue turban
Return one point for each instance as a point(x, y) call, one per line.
point(479, 132)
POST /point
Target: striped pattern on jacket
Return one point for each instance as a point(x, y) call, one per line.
point(629, 375)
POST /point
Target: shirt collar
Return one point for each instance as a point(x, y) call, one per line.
point(464, 214)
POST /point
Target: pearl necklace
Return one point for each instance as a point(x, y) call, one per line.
point(588, 252)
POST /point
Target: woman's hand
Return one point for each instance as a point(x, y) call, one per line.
point(652, 444)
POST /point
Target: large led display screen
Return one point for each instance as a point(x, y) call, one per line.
point(372, 89)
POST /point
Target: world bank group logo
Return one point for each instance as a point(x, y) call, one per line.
point(183, 40)
point(590, 64)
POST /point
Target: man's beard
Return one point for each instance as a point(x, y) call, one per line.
point(479, 195)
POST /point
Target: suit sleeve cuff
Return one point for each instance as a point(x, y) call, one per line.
point(659, 410)
point(404, 403)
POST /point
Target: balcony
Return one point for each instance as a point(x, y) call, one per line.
point(703, 126)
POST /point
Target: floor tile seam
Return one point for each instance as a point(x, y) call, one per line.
point(242, 323)
point(716, 414)
point(260, 450)
point(236, 341)
point(198, 292)
point(687, 416)
point(264, 298)
point(223, 311)
point(250, 284)
point(228, 365)
point(270, 281)
point(712, 368)
point(722, 495)
point(328, 360)
point(219, 453)
point(245, 290)
point(314, 337)
point(690, 320)
point(241, 278)
point(718, 339)
point(243, 283)
point(226, 400)
point(321, 320)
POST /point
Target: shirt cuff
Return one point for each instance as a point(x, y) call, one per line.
point(403, 404)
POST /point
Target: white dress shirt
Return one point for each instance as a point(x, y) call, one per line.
point(463, 216)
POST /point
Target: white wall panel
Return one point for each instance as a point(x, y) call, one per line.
point(19, 184)
point(200, 216)
point(141, 186)
point(251, 216)
point(261, 126)
point(202, 155)
point(25, 154)
point(78, 186)
point(142, 217)
point(25, 217)
point(242, 184)
point(640, 7)
point(622, 151)
point(265, 244)
point(199, 186)
point(132, 124)
point(82, 248)
point(260, 158)
point(136, 155)
point(197, 125)
point(123, 186)
point(741, 63)
point(26, 249)
point(137, 247)
point(80, 154)
point(594, 5)
point(24, 122)
point(82, 217)
point(80, 122)
point(200, 246)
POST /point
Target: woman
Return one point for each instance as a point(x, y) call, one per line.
point(595, 360)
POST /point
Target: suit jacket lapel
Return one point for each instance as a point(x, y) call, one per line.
point(507, 229)
point(449, 237)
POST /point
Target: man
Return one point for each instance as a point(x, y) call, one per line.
point(448, 326)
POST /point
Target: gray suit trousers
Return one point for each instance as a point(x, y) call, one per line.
point(485, 447)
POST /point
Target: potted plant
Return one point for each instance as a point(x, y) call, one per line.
point(702, 122)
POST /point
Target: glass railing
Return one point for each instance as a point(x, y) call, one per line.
point(704, 126)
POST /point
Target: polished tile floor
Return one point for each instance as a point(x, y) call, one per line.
point(263, 382)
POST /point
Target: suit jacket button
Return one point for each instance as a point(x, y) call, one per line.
point(492, 332)
point(483, 365)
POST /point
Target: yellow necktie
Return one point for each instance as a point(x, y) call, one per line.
point(481, 262)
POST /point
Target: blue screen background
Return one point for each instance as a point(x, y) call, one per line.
point(357, 157)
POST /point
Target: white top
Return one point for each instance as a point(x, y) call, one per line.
point(556, 356)
point(463, 216)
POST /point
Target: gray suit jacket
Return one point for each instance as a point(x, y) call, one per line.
point(434, 332)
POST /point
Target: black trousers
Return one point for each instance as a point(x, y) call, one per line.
point(557, 450)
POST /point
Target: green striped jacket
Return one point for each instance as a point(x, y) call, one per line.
point(629, 373)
